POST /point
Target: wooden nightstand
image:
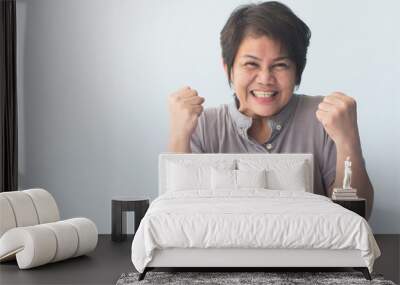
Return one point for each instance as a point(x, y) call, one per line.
point(358, 206)
point(121, 205)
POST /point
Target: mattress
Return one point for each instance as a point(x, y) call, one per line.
point(250, 219)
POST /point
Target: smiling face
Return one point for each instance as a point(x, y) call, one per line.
point(263, 77)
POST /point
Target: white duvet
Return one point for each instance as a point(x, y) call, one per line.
point(251, 218)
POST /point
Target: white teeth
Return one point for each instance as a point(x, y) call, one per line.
point(263, 94)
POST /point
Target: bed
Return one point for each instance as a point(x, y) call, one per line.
point(245, 211)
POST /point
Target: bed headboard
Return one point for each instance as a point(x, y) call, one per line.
point(164, 158)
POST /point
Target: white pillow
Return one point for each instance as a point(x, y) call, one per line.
point(282, 174)
point(193, 175)
point(223, 179)
point(181, 177)
point(293, 178)
point(251, 178)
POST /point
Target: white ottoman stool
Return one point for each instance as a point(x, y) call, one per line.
point(31, 232)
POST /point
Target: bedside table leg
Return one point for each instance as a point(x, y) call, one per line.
point(118, 222)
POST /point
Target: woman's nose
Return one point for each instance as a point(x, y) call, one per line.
point(265, 77)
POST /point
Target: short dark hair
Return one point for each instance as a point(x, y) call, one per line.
point(272, 19)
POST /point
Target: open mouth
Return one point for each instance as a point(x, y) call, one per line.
point(263, 94)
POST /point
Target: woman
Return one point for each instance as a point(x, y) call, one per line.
point(264, 48)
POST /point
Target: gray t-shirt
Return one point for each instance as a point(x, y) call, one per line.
point(295, 129)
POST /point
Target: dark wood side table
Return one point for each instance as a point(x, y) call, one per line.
point(358, 206)
point(119, 207)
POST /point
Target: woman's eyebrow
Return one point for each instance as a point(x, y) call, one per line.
point(280, 58)
point(256, 58)
point(252, 57)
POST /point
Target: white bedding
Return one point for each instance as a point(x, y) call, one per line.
point(251, 218)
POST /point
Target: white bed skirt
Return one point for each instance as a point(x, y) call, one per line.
point(235, 257)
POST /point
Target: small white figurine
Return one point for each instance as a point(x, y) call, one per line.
point(347, 174)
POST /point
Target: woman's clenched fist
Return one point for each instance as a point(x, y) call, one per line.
point(184, 109)
point(338, 114)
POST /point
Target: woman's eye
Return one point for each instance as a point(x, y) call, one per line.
point(281, 65)
point(251, 64)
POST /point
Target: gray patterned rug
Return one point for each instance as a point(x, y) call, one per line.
point(229, 278)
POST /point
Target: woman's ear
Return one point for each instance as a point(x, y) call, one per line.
point(225, 66)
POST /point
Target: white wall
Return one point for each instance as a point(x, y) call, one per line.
point(94, 77)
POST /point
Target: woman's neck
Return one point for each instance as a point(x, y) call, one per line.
point(260, 130)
